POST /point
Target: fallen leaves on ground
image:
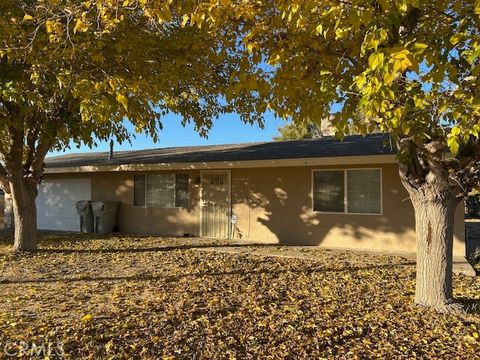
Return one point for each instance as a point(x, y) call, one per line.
point(127, 297)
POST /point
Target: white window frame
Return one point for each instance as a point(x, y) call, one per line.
point(174, 193)
point(345, 195)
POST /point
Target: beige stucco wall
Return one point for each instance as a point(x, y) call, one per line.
point(132, 219)
point(118, 186)
point(274, 205)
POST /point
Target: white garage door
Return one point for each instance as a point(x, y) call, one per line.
point(56, 203)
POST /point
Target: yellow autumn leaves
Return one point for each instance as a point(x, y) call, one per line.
point(188, 303)
point(400, 58)
point(375, 60)
point(369, 56)
point(55, 28)
point(87, 318)
point(122, 99)
point(80, 26)
point(379, 101)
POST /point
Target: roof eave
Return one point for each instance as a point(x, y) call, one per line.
point(318, 161)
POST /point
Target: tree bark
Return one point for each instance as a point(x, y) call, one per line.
point(434, 220)
point(24, 193)
point(435, 198)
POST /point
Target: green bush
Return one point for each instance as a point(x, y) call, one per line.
point(473, 206)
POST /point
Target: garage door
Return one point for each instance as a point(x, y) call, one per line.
point(56, 203)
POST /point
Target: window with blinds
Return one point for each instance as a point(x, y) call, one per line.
point(347, 191)
point(364, 191)
point(181, 191)
point(161, 190)
point(139, 190)
point(329, 191)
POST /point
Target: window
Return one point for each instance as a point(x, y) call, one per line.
point(139, 190)
point(161, 190)
point(181, 190)
point(329, 191)
point(347, 191)
point(364, 191)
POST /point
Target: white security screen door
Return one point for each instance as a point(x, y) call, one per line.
point(215, 212)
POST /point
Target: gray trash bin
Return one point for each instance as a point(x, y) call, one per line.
point(84, 210)
point(105, 216)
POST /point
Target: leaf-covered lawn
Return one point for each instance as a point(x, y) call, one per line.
point(144, 298)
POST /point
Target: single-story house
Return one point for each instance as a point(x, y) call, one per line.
point(303, 192)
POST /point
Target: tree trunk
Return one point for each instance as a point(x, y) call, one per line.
point(24, 193)
point(435, 198)
point(434, 220)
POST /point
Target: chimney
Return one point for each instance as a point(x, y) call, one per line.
point(110, 155)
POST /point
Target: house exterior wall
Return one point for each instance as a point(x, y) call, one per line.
point(274, 205)
point(147, 220)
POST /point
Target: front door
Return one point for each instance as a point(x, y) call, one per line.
point(215, 204)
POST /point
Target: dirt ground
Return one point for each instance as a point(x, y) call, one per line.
point(128, 297)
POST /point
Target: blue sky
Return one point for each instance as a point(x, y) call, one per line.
point(226, 130)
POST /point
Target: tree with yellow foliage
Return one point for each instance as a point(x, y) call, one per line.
point(77, 70)
point(409, 67)
point(71, 69)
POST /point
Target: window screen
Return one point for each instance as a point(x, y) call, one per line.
point(364, 191)
point(139, 190)
point(329, 191)
point(360, 190)
point(160, 190)
point(181, 190)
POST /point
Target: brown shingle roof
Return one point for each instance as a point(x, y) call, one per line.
point(355, 145)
